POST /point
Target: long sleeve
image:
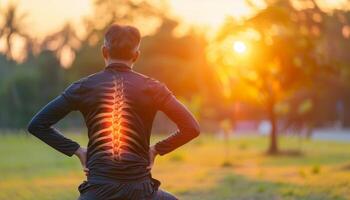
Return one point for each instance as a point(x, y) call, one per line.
point(41, 126)
point(188, 127)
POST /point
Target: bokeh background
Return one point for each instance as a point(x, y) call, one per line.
point(269, 81)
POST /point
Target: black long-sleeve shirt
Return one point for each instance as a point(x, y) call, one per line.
point(118, 105)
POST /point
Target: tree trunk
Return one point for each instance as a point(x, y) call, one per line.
point(273, 148)
point(9, 47)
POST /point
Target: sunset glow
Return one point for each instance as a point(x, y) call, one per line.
point(206, 13)
point(239, 47)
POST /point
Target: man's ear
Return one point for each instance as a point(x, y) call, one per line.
point(136, 56)
point(105, 52)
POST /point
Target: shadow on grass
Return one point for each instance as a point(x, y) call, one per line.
point(241, 188)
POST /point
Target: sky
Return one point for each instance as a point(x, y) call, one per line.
point(44, 17)
point(47, 16)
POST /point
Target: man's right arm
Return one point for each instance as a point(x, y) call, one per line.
point(41, 126)
point(42, 123)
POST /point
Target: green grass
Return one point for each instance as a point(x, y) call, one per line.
point(30, 170)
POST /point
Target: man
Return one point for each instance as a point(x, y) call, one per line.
point(118, 106)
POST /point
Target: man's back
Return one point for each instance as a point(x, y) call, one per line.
point(118, 106)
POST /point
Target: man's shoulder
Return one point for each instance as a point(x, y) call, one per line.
point(95, 77)
point(148, 79)
point(140, 75)
point(152, 85)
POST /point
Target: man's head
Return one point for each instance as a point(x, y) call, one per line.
point(121, 44)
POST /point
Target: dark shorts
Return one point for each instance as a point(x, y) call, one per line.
point(142, 190)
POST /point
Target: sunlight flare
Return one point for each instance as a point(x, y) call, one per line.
point(239, 47)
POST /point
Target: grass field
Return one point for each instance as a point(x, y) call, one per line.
point(32, 171)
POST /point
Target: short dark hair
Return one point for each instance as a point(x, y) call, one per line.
point(122, 41)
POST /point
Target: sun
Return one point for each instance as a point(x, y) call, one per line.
point(239, 47)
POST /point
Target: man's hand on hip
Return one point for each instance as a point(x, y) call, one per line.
point(152, 156)
point(81, 154)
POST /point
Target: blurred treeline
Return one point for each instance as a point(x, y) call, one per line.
point(298, 69)
point(26, 86)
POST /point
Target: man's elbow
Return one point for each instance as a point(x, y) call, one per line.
point(33, 127)
point(195, 130)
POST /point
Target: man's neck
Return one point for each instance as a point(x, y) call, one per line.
point(126, 62)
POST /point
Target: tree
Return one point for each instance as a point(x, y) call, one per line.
point(165, 54)
point(65, 43)
point(13, 25)
point(279, 61)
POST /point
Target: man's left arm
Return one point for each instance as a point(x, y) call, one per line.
point(41, 126)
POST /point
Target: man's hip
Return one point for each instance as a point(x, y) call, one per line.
point(147, 189)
